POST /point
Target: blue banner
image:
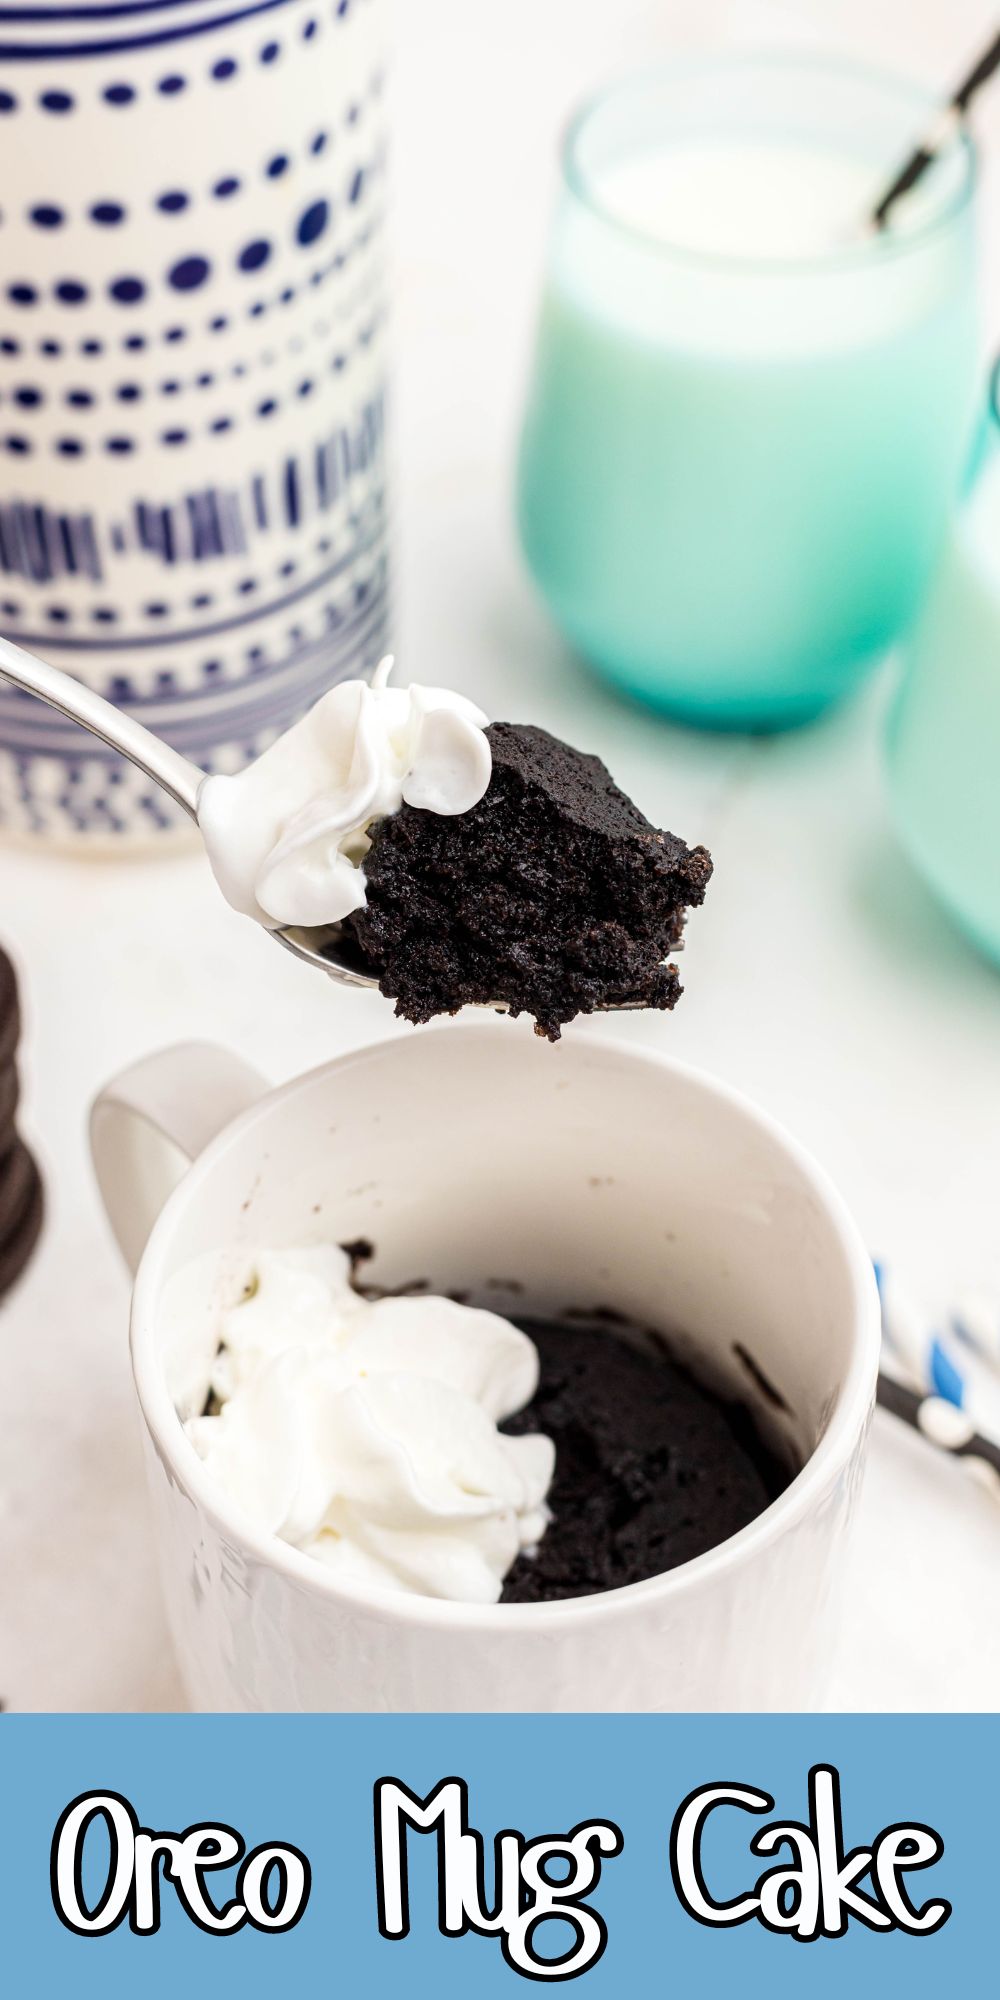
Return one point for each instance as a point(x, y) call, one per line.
point(471, 1855)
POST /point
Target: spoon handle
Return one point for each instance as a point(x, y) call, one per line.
point(175, 774)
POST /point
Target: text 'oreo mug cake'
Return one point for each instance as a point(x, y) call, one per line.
point(462, 862)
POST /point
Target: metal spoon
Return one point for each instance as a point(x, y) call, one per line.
point(322, 945)
point(176, 775)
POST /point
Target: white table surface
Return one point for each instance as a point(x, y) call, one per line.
point(821, 979)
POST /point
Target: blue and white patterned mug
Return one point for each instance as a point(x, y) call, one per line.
point(192, 309)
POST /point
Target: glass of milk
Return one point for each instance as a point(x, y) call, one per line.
point(748, 411)
point(943, 751)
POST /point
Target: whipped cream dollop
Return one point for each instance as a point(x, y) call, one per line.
point(365, 1432)
point(287, 837)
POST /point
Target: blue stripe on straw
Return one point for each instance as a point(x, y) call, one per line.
point(946, 1381)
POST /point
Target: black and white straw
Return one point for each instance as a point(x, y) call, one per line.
point(944, 1425)
point(946, 128)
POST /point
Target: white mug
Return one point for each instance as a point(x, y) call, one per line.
point(585, 1176)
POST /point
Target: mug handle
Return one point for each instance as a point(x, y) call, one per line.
point(148, 1125)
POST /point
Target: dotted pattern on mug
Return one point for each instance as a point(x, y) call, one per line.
point(192, 487)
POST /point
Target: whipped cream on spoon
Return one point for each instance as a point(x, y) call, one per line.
point(286, 838)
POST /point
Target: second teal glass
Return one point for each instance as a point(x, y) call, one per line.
point(943, 749)
point(735, 472)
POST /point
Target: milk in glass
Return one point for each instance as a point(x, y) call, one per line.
point(748, 412)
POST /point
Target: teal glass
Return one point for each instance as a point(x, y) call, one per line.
point(735, 473)
point(943, 744)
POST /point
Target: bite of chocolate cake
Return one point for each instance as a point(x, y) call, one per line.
point(553, 896)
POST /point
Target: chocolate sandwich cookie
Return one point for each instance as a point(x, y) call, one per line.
point(21, 1197)
point(9, 1095)
point(21, 1211)
point(10, 1013)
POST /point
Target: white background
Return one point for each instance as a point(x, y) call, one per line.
point(821, 978)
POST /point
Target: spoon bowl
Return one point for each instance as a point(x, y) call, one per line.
point(323, 946)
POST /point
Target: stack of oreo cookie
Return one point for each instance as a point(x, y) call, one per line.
point(21, 1199)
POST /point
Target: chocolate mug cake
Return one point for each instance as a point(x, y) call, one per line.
point(420, 1443)
point(538, 1181)
point(652, 1468)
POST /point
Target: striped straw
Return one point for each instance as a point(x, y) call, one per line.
point(945, 1382)
point(947, 125)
